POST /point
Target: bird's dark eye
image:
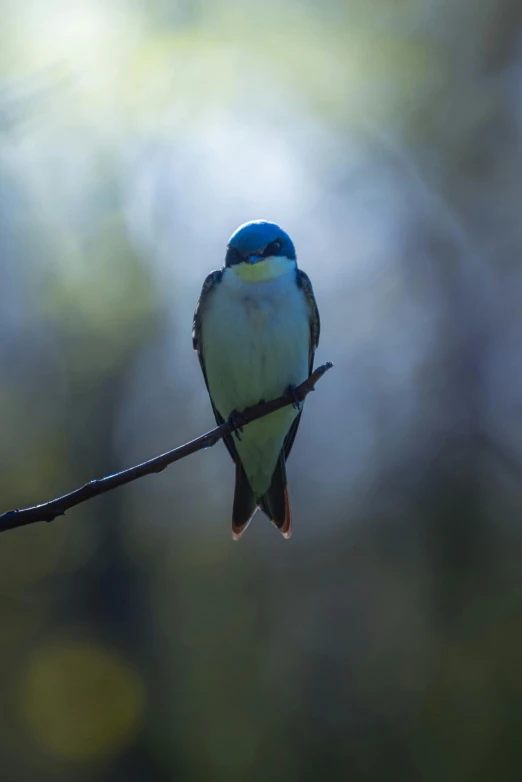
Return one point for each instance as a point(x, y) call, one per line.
point(233, 256)
point(273, 248)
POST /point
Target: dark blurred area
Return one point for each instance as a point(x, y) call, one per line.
point(137, 642)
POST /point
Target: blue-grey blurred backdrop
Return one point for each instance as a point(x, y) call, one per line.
point(137, 642)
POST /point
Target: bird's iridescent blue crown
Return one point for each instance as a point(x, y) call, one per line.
point(258, 239)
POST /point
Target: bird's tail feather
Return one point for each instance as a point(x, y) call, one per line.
point(245, 504)
point(276, 502)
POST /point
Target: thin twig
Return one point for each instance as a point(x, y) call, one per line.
point(48, 511)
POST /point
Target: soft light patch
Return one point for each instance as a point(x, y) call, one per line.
point(82, 700)
point(268, 269)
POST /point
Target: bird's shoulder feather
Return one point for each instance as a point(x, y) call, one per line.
point(210, 282)
point(303, 281)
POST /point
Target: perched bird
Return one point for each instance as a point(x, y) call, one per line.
point(256, 328)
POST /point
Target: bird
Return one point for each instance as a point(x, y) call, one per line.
point(256, 329)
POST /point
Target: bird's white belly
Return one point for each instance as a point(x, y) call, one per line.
point(256, 339)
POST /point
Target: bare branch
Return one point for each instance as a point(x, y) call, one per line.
point(48, 511)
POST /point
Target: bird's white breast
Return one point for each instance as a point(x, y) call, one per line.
point(256, 338)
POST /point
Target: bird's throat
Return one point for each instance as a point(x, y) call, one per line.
point(268, 269)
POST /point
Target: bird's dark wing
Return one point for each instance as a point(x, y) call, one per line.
point(197, 342)
point(213, 279)
point(303, 281)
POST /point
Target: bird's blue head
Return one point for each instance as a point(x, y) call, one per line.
point(260, 251)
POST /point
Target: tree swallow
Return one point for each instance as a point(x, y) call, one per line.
point(256, 328)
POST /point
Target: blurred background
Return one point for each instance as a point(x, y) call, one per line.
point(137, 642)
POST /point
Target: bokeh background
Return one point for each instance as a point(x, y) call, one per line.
point(137, 642)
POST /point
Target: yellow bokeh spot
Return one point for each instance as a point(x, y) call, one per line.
point(83, 701)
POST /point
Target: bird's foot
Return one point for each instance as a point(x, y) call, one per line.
point(291, 393)
point(237, 421)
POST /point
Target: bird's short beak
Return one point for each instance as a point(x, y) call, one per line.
point(254, 258)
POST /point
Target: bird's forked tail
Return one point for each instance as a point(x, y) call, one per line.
point(275, 503)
